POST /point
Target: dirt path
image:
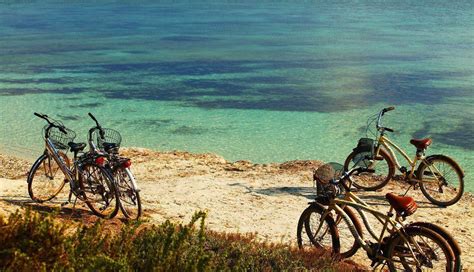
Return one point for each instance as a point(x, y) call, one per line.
point(243, 197)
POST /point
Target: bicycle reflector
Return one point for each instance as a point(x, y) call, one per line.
point(127, 163)
point(100, 160)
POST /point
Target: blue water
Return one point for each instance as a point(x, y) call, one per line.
point(265, 82)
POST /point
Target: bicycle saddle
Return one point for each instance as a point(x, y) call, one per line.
point(404, 205)
point(76, 147)
point(421, 143)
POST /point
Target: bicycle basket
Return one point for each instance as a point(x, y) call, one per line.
point(110, 136)
point(323, 178)
point(59, 139)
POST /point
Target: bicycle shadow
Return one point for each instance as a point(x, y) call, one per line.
point(69, 213)
point(310, 193)
point(307, 192)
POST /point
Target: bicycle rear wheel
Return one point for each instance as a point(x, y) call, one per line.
point(99, 192)
point(130, 202)
point(308, 235)
point(382, 164)
point(45, 179)
point(454, 246)
point(423, 250)
point(442, 180)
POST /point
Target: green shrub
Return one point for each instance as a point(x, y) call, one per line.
point(34, 242)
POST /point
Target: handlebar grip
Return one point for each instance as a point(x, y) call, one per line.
point(40, 115)
point(92, 116)
point(388, 129)
point(389, 109)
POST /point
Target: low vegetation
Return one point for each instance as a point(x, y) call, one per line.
point(30, 241)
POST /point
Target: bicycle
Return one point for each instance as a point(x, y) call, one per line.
point(88, 180)
point(439, 177)
point(418, 245)
point(106, 141)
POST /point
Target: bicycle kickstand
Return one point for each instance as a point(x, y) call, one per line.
point(409, 187)
point(68, 200)
point(74, 205)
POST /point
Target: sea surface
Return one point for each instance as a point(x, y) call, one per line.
point(268, 82)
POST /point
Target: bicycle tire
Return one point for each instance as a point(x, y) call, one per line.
point(446, 236)
point(396, 247)
point(130, 202)
point(430, 193)
point(98, 189)
point(375, 180)
point(331, 243)
point(38, 182)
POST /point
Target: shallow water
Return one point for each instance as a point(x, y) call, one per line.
point(262, 82)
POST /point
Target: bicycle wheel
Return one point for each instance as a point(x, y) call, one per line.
point(383, 166)
point(130, 203)
point(309, 237)
point(423, 250)
point(454, 246)
point(442, 180)
point(45, 179)
point(99, 192)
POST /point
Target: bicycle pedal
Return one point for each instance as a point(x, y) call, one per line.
point(64, 204)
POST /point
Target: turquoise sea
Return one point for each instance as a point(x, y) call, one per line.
point(266, 82)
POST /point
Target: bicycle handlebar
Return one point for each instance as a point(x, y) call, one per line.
point(98, 126)
point(44, 116)
point(349, 173)
point(389, 109)
point(379, 119)
point(51, 124)
point(93, 118)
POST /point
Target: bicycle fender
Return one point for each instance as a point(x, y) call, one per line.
point(455, 164)
point(35, 165)
point(134, 183)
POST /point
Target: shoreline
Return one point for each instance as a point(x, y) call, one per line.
point(266, 199)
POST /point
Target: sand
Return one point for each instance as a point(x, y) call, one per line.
point(266, 199)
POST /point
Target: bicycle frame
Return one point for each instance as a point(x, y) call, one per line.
point(390, 225)
point(388, 144)
point(72, 175)
point(51, 150)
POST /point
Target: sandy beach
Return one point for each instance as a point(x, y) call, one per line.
point(266, 199)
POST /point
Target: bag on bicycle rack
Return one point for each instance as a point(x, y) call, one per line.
point(365, 145)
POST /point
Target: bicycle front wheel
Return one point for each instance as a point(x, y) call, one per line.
point(308, 234)
point(130, 202)
point(45, 179)
point(348, 243)
point(99, 192)
point(382, 164)
point(441, 180)
point(422, 250)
